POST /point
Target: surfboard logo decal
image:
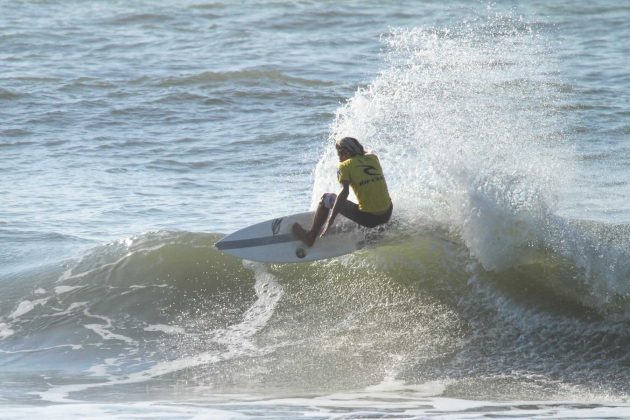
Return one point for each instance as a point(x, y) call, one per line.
point(275, 226)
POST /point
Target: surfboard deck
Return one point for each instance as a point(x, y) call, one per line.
point(272, 241)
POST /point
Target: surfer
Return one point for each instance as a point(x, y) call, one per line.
point(362, 171)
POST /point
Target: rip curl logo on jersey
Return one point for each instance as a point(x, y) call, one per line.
point(275, 226)
point(369, 170)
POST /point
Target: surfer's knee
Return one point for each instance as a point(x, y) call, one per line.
point(328, 200)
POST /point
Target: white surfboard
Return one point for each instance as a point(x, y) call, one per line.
point(272, 241)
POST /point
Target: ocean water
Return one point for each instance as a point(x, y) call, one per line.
point(134, 135)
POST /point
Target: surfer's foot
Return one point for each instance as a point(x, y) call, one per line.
point(303, 235)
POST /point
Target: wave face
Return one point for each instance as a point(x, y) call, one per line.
point(166, 308)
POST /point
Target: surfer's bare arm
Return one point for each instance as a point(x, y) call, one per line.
point(341, 198)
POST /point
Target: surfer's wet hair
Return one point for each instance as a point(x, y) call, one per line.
point(349, 145)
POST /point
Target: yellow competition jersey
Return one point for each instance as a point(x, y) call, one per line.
point(367, 181)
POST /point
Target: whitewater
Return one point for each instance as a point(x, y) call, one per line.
point(134, 136)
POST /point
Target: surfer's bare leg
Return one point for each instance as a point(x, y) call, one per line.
point(309, 237)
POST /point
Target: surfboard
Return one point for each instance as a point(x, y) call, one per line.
point(272, 241)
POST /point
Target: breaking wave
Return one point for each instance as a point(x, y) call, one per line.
point(167, 307)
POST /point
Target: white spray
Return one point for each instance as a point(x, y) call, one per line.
point(464, 124)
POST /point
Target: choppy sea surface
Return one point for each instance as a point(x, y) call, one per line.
point(134, 135)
